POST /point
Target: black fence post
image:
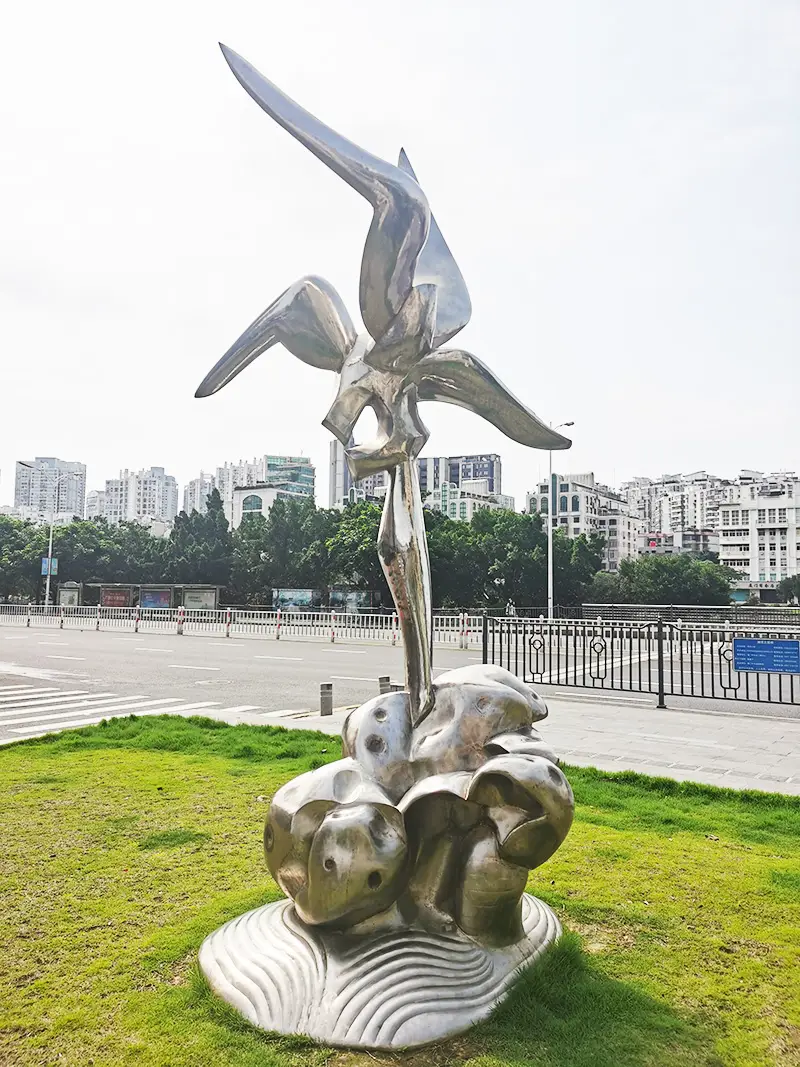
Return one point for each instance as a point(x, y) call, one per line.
point(660, 639)
point(485, 638)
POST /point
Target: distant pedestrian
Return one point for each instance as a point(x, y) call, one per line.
point(510, 609)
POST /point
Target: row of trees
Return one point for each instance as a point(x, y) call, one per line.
point(499, 555)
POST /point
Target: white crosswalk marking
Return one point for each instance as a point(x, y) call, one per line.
point(28, 710)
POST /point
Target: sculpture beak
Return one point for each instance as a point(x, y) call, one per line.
point(255, 340)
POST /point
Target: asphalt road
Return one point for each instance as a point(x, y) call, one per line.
point(52, 680)
point(267, 675)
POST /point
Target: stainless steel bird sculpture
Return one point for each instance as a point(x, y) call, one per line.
point(413, 299)
point(405, 862)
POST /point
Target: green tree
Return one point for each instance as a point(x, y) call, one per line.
point(789, 589)
point(352, 553)
point(200, 547)
point(604, 588)
point(678, 579)
point(458, 562)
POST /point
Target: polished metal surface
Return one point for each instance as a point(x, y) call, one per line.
point(406, 861)
point(413, 299)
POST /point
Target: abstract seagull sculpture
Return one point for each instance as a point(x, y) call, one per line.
point(413, 299)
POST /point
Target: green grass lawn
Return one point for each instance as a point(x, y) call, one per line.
point(125, 844)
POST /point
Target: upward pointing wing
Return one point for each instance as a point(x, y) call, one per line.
point(458, 377)
point(400, 210)
point(437, 265)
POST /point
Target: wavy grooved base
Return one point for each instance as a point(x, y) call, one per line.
point(381, 991)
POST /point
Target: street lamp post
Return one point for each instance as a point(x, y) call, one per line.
point(551, 511)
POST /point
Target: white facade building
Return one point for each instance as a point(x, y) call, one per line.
point(46, 486)
point(196, 494)
point(294, 475)
point(759, 530)
point(141, 496)
point(257, 500)
point(585, 506)
point(462, 501)
point(95, 504)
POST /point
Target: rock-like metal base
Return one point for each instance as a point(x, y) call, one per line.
point(381, 991)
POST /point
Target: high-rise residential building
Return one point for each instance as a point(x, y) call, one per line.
point(583, 505)
point(341, 482)
point(141, 496)
point(436, 470)
point(96, 504)
point(462, 501)
point(46, 487)
point(196, 494)
point(759, 531)
point(290, 474)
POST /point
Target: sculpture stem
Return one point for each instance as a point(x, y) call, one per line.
point(403, 552)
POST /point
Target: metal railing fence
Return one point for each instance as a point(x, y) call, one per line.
point(457, 631)
point(662, 658)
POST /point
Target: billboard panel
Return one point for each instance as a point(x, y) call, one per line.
point(200, 598)
point(155, 598)
point(115, 598)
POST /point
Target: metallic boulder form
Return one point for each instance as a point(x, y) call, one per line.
point(405, 862)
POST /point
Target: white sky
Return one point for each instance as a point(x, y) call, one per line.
point(619, 181)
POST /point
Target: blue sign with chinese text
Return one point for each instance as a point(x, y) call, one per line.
point(770, 657)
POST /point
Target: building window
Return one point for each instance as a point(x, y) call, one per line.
point(562, 504)
point(762, 516)
point(781, 514)
point(772, 515)
point(463, 509)
point(564, 487)
point(543, 508)
point(252, 503)
point(576, 503)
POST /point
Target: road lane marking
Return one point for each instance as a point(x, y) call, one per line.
point(29, 730)
point(14, 688)
point(193, 667)
point(239, 707)
point(53, 644)
point(97, 714)
point(17, 637)
point(351, 678)
point(51, 701)
point(143, 649)
point(32, 692)
point(342, 652)
point(225, 644)
point(286, 659)
point(101, 707)
point(68, 657)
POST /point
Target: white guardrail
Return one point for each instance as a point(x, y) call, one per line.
point(458, 631)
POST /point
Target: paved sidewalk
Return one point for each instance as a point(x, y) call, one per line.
point(615, 734)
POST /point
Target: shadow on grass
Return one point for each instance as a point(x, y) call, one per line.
point(562, 1012)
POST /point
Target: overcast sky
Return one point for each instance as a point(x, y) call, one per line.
point(619, 182)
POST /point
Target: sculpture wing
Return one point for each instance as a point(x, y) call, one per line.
point(309, 319)
point(400, 209)
point(458, 377)
point(437, 265)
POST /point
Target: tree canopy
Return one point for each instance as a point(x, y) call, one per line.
point(497, 557)
point(682, 579)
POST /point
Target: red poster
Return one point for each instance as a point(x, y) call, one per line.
point(115, 598)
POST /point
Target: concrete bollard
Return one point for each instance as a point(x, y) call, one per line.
point(278, 626)
point(396, 687)
point(384, 684)
point(181, 619)
point(326, 698)
point(97, 620)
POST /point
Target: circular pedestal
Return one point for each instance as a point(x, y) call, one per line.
point(381, 991)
